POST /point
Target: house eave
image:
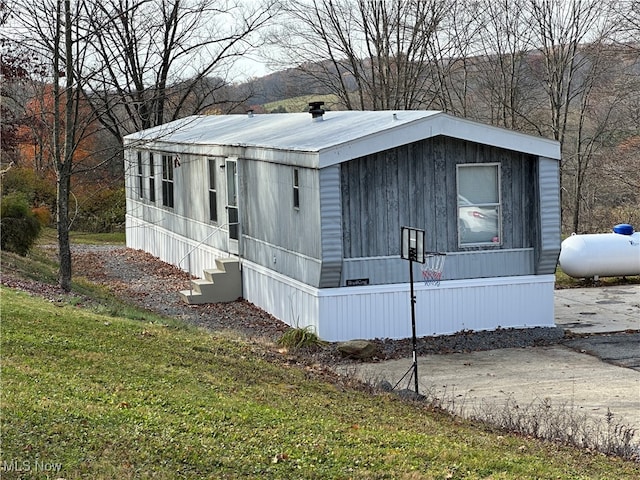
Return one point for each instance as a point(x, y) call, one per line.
point(341, 137)
point(436, 125)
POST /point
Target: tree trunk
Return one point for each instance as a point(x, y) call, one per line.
point(64, 246)
point(65, 160)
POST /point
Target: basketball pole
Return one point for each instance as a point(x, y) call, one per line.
point(412, 249)
point(413, 328)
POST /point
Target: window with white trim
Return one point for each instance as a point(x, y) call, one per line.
point(479, 204)
point(152, 178)
point(296, 188)
point(139, 175)
point(167, 181)
point(213, 194)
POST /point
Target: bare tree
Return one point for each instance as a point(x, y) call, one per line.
point(559, 28)
point(58, 30)
point(570, 74)
point(372, 54)
point(507, 95)
point(17, 67)
point(629, 15)
point(159, 60)
point(453, 57)
point(136, 63)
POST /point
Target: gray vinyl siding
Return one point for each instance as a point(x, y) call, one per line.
point(274, 233)
point(549, 217)
point(415, 185)
point(331, 226)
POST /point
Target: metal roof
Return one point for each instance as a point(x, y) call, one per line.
point(338, 136)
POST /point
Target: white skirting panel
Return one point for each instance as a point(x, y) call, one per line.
point(291, 301)
point(384, 311)
point(171, 248)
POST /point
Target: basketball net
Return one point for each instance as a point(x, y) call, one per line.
point(432, 268)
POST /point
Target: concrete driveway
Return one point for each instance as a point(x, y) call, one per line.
point(594, 376)
point(598, 310)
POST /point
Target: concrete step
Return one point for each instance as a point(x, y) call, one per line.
point(221, 284)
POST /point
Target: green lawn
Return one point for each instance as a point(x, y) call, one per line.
point(49, 236)
point(104, 397)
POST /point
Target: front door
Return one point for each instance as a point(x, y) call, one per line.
point(233, 217)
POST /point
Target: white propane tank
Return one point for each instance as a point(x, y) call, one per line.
point(602, 254)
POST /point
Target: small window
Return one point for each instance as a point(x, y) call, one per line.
point(479, 208)
point(296, 188)
point(167, 181)
point(152, 178)
point(140, 177)
point(213, 194)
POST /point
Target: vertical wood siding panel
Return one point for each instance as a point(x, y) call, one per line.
point(455, 150)
point(346, 210)
point(510, 202)
point(355, 172)
point(529, 202)
point(524, 198)
point(405, 198)
point(417, 188)
point(376, 214)
point(390, 230)
point(416, 209)
point(428, 198)
point(414, 191)
point(377, 218)
point(389, 184)
point(365, 178)
point(441, 173)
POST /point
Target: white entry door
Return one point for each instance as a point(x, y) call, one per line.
point(233, 215)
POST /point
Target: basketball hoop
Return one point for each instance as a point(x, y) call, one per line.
point(412, 248)
point(432, 268)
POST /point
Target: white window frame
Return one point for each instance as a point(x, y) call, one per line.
point(139, 174)
point(152, 178)
point(168, 198)
point(213, 189)
point(296, 188)
point(491, 208)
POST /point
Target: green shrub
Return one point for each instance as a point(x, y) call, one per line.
point(101, 212)
point(20, 227)
point(36, 189)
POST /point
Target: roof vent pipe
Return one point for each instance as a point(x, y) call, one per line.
point(315, 111)
point(250, 113)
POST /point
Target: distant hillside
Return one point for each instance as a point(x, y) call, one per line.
point(290, 83)
point(300, 104)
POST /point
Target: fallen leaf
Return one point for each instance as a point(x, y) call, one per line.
point(280, 457)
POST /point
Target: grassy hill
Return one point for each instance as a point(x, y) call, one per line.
point(89, 395)
point(300, 104)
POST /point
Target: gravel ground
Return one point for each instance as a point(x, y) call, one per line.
point(154, 285)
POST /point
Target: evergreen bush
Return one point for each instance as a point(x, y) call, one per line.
point(19, 225)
